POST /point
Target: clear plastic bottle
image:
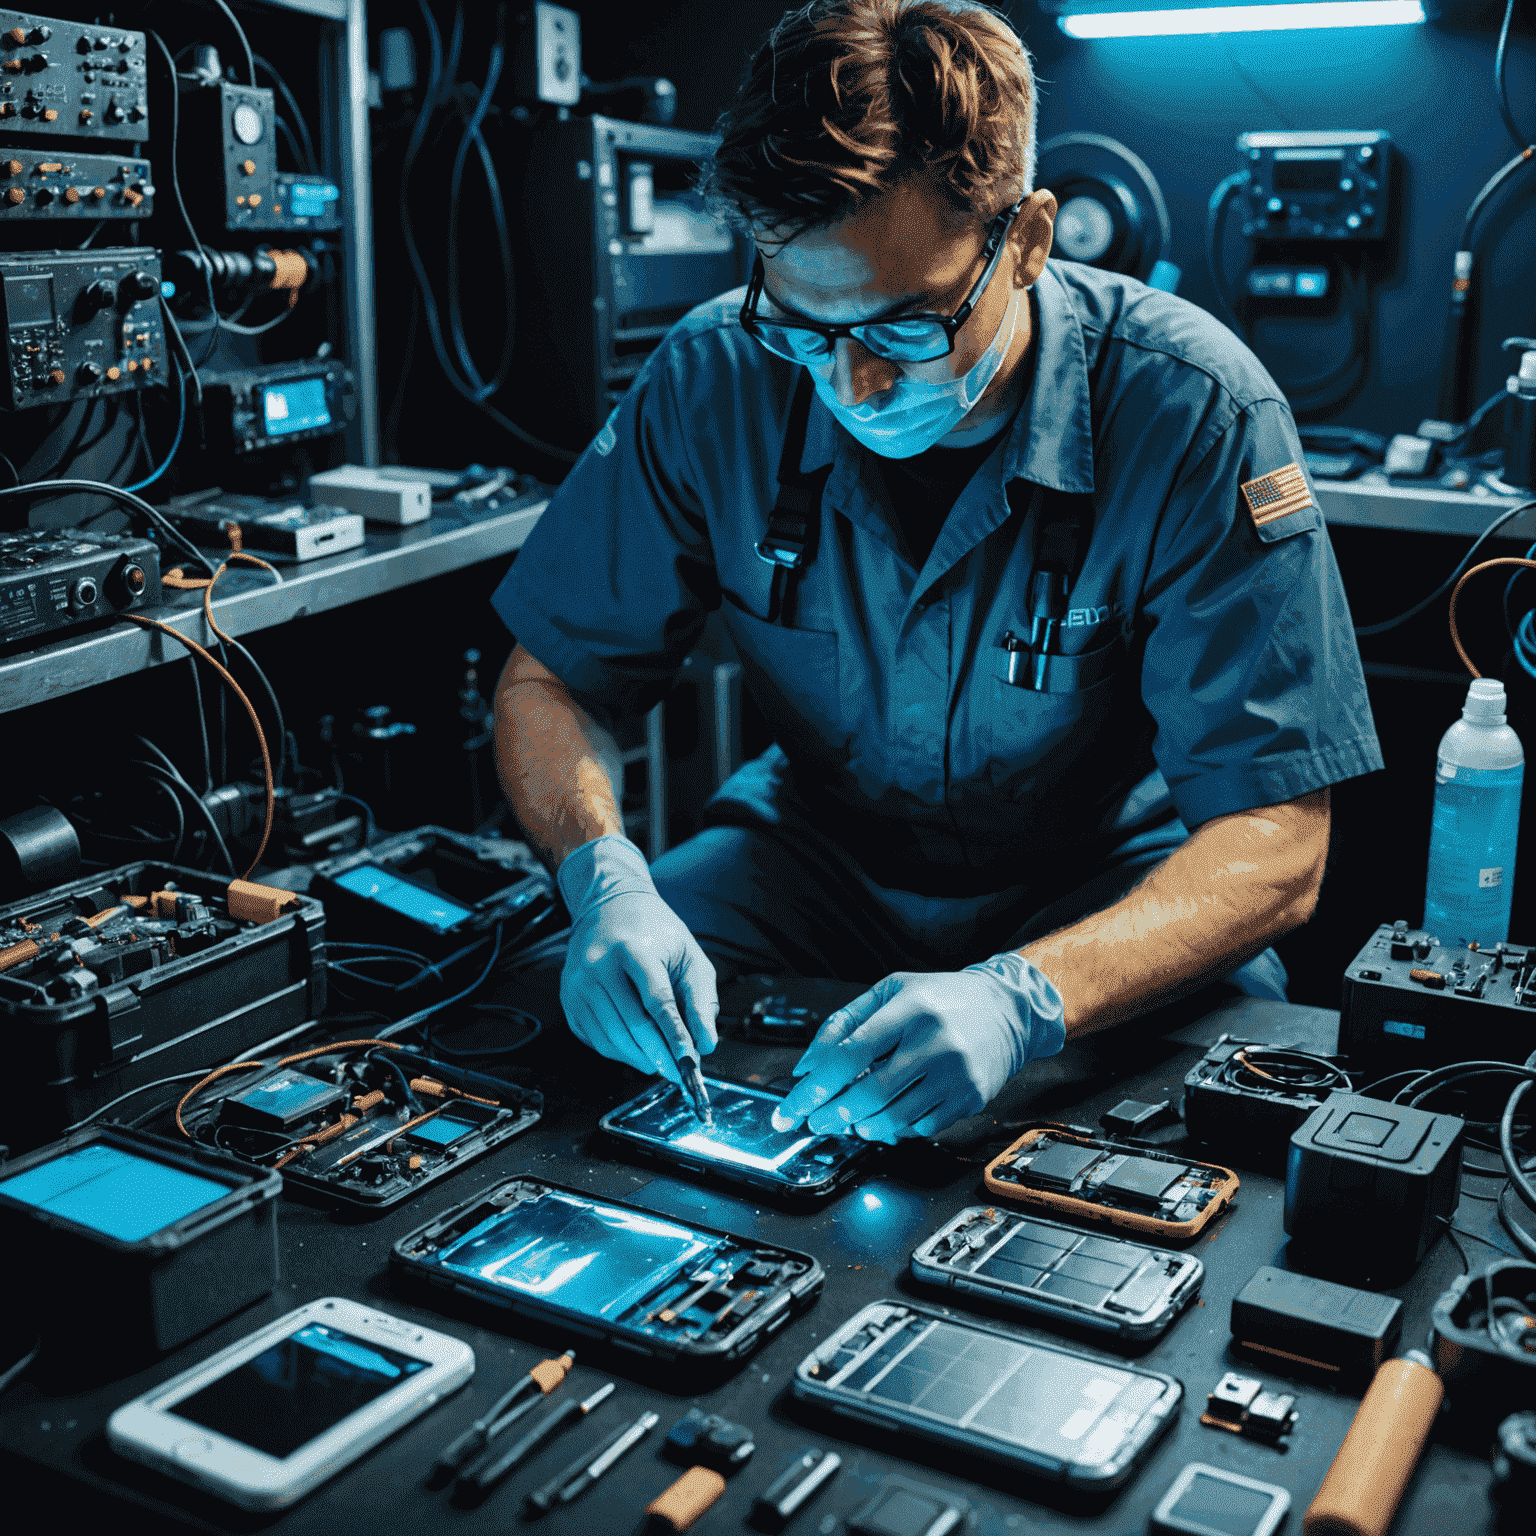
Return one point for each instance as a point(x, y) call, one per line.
point(1478, 773)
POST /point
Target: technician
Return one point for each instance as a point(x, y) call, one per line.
point(1022, 567)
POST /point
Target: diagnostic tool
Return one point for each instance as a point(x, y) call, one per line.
point(1071, 1172)
point(1105, 1283)
point(741, 1145)
point(979, 1388)
point(662, 1288)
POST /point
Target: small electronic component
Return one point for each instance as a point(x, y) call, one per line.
point(1514, 1462)
point(793, 1488)
point(1146, 1191)
point(1312, 1322)
point(1209, 1501)
point(282, 1102)
point(903, 1507)
point(1131, 1117)
point(1483, 1341)
point(1242, 1405)
point(706, 1439)
point(255, 523)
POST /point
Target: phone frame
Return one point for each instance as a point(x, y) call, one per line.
point(739, 1175)
point(148, 1430)
point(1166, 1523)
point(1137, 1328)
point(1178, 1233)
point(793, 1299)
point(1110, 1474)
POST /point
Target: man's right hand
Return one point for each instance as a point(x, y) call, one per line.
point(635, 979)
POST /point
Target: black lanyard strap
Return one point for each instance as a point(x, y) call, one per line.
point(789, 544)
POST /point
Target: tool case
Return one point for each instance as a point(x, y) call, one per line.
point(93, 1009)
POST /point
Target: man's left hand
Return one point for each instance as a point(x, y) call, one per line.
point(919, 1051)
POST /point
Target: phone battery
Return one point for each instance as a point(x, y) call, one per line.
point(287, 528)
point(281, 1103)
point(1315, 1322)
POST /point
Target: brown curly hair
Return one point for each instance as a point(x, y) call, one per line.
point(846, 98)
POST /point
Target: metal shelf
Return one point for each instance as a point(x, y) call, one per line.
point(1366, 503)
point(249, 601)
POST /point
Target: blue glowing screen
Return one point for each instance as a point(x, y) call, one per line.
point(432, 909)
point(113, 1192)
point(298, 406)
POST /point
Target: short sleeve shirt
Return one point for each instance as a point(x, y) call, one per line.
point(1222, 653)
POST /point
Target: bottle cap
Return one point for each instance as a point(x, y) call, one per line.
point(1485, 702)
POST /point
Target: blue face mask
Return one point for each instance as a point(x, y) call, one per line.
point(918, 413)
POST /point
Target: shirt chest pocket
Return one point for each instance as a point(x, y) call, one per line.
point(1063, 723)
point(793, 678)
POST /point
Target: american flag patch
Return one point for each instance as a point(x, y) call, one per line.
point(1276, 494)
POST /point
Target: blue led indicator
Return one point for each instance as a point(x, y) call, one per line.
point(1408, 1031)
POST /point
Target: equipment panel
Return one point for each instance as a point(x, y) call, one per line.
point(80, 324)
point(69, 80)
point(44, 184)
point(1316, 186)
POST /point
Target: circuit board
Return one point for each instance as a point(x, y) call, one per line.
point(97, 939)
point(1145, 1191)
point(363, 1123)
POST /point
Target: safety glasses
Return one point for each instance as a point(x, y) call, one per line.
point(906, 339)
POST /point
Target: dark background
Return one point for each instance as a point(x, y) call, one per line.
point(1178, 103)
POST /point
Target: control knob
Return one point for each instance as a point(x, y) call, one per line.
point(99, 295)
point(139, 284)
point(89, 373)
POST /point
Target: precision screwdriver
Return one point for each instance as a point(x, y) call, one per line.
point(541, 1380)
point(583, 1472)
point(488, 1469)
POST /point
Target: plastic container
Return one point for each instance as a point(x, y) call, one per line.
point(1478, 773)
point(122, 1244)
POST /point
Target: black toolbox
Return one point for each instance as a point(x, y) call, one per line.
point(188, 992)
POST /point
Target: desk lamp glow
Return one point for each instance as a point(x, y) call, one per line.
point(1281, 17)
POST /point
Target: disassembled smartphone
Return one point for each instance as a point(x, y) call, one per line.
point(742, 1146)
point(364, 1123)
point(1073, 1173)
point(1056, 1272)
point(646, 1283)
point(1065, 1416)
point(267, 1420)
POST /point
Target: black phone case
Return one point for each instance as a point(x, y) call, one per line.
point(409, 1262)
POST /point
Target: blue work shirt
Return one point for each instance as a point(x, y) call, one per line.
point(1235, 679)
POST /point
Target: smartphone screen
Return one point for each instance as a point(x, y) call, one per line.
point(1042, 1403)
point(297, 1389)
point(742, 1136)
point(432, 909)
point(1215, 1505)
point(114, 1192)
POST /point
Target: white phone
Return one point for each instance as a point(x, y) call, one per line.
point(269, 1419)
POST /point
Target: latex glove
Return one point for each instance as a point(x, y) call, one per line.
point(636, 986)
point(919, 1051)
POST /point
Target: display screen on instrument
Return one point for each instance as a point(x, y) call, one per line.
point(598, 1260)
point(742, 1135)
point(1039, 1400)
point(1316, 171)
point(432, 909)
point(298, 406)
point(114, 1192)
point(29, 300)
point(1217, 1505)
point(297, 1389)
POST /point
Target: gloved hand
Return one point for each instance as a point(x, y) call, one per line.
point(635, 980)
point(933, 1048)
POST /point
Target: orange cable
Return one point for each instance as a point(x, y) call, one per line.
point(1487, 565)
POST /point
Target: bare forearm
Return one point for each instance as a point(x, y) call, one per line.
point(1216, 901)
point(556, 764)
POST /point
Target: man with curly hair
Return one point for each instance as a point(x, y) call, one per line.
point(1023, 569)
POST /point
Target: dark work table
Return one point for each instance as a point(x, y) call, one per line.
point(56, 1458)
